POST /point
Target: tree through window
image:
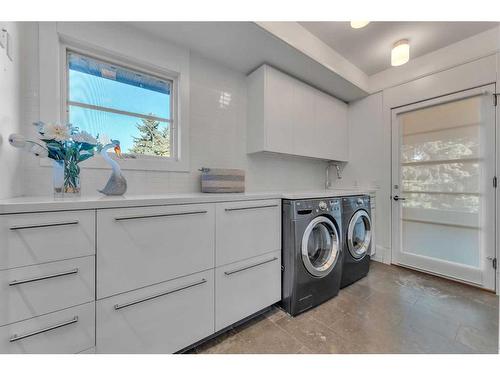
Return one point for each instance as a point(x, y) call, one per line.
point(120, 103)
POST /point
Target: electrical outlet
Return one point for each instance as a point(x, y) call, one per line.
point(9, 47)
point(3, 38)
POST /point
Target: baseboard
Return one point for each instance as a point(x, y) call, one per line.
point(382, 254)
point(218, 333)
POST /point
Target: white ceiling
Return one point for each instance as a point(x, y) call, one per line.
point(369, 48)
point(244, 46)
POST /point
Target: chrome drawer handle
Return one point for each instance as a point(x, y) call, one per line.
point(159, 215)
point(18, 282)
point(119, 307)
point(18, 227)
point(15, 338)
point(251, 208)
point(252, 266)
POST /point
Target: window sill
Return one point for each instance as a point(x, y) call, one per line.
point(97, 162)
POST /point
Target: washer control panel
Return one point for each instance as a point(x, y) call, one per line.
point(326, 206)
point(319, 205)
point(304, 208)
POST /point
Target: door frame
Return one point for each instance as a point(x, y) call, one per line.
point(489, 281)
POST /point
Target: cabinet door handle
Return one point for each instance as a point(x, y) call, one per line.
point(251, 266)
point(15, 338)
point(119, 307)
point(251, 207)
point(51, 276)
point(159, 215)
point(18, 227)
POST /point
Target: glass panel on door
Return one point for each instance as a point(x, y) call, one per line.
point(444, 170)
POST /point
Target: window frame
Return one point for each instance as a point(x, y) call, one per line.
point(180, 163)
point(173, 111)
point(113, 41)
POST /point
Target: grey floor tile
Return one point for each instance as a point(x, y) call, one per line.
point(424, 320)
point(317, 337)
point(392, 310)
point(262, 337)
point(275, 314)
point(478, 340)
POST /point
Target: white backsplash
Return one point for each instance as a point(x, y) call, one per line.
point(217, 137)
point(10, 98)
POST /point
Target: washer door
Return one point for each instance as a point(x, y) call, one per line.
point(320, 246)
point(359, 234)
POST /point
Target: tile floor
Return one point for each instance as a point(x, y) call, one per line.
point(392, 310)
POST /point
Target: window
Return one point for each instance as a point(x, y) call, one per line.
point(120, 103)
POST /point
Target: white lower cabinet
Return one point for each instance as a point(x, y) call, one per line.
point(147, 245)
point(247, 229)
point(36, 290)
point(40, 237)
point(162, 318)
point(68, 331)
point(151, 279)
point(245, 287)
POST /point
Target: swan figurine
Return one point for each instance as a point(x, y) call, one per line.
point(117, 184)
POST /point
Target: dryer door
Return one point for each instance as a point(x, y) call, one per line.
point(320, 246)
point(359, 234)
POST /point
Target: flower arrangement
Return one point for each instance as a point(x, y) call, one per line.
point(66, 145)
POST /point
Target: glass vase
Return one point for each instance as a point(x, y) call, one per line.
point(58, 177)
point(71, 177)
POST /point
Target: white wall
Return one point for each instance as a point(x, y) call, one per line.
point(370, 133)
point(217, 135)
point(10, 84)
point(369, 156)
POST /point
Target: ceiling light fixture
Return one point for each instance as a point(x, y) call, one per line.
point(400, 53)
point(359, 24)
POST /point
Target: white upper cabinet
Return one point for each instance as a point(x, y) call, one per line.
point(290, 117)
point(280, 96)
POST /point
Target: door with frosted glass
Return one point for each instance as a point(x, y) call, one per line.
point(443, 199)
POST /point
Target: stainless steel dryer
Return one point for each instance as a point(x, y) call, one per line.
point(357, 236)
point(312, 252)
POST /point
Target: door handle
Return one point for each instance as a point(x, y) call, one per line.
point(397, 198)
point(15, 338)
point(119, 307)
point(25, 281)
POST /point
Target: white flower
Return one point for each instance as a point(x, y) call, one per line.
point(84, 137)
point(17, 140)
point(56, 132)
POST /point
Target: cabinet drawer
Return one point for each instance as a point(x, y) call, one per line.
point(246, 287)
point(35, 290)
point(143, 246)
point(162, 318)
point(27, 239)
point(64, 332)
point(247, 229)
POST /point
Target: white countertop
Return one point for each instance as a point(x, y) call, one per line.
point(46, 203)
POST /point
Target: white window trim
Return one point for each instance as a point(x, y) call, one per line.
point(53, 49)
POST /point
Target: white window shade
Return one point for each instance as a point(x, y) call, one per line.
point(442, 166)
